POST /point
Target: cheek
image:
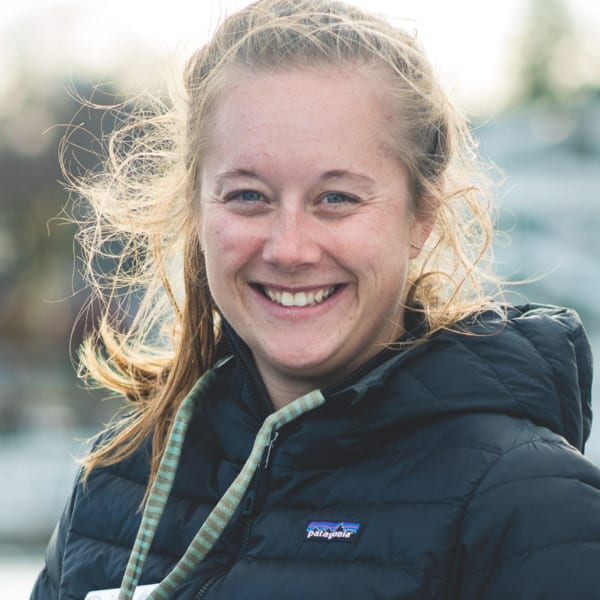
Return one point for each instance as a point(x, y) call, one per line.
point(221, 265)
point(227, 243)
point(215, 232)
point(219, 256)
point(211, 238)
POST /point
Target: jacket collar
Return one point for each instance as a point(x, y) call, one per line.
point(352, 387)
point(530, 362)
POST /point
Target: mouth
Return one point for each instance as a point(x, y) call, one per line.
point(299, 298)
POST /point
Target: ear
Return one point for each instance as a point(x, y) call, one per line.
point(420, 230)
point(425, 214)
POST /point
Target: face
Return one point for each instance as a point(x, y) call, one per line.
point(306, 224)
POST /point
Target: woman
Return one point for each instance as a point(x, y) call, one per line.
point(331, 407)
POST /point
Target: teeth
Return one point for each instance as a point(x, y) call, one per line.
point(287, 299)
point(299, 298)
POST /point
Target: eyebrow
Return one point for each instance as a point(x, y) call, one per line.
point(234, 173)
point(326, 176)
point(345, 174)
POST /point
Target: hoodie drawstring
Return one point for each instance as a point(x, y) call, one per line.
point(217, 520)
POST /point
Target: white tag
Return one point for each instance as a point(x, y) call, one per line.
point(141, 593)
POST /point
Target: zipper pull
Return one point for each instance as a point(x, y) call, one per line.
point(269, 446)
point(249, 503)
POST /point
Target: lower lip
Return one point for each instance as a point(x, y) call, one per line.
point(299, 312)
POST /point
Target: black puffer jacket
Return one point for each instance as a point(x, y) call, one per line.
point(455, 466)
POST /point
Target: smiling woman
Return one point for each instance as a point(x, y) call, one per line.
point(327, 217)
point(333, 371)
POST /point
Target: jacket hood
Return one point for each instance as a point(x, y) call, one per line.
point(532, 362)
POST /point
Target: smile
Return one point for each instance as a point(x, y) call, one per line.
point(302, 298)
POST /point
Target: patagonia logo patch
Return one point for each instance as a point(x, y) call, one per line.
point(332, 531)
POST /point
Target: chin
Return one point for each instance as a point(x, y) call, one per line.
point(315, 369)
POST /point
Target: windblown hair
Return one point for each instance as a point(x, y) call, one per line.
point(142, 207)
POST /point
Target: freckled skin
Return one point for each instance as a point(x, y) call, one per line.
point(299, 194)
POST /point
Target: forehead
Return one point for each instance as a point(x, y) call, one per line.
point(326, 103)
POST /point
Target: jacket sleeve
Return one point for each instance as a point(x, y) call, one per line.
point(48, 582)
point(532, 528)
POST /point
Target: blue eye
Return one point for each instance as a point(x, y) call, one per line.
point(246, 202)
point(336, 198)
point(247, 196)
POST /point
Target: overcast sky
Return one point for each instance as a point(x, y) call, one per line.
point(471, 42)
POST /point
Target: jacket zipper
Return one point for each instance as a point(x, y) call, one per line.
point(269, 449)
point(248, 511)
point(253, 495)
point(208, 584)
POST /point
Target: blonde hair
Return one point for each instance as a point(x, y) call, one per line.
point(142, 206)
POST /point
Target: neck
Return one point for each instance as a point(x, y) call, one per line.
point(282, 391)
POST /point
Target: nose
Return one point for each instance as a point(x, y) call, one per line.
point(292, 241)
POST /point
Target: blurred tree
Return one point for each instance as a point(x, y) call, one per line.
point(551, 60)
point(41, 293)
point(546, 48)
point(556, 86)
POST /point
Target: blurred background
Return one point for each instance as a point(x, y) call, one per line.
point(526, 71)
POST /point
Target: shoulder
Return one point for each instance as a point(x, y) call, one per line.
point(92, 537)
point(538, 465)
point(47, 583)
point(82, 540)
point(532, 525)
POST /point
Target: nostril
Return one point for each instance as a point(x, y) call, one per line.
point(291, 246)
